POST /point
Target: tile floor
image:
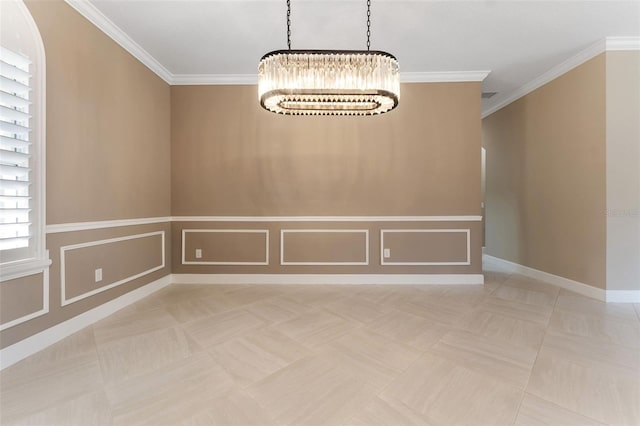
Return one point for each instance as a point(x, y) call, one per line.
point(516, 351)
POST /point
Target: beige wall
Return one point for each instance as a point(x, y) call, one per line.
point(546, 177)
point(107, 124)
point(231, 158)
point(301, 246)
point(434, 246)
point(623, 170)
point(226, 245)
point(21, 297)
point(108, 157)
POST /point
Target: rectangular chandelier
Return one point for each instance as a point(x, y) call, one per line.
point(328, 82)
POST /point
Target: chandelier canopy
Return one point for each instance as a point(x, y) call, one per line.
point(328, 82)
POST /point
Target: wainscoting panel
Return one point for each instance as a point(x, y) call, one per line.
point(131, 253)
point(120, 259)
point(324, 247)
point(225, 247)
point(438, 245)
point(428, 247)
point(23, 299)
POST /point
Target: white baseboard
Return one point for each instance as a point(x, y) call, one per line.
point(328, 279)
point(504, 265)
point(22, 349)
point(566, 283)
point(623, 296)
point(32, 344)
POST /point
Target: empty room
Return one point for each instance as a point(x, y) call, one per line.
point(319, 212)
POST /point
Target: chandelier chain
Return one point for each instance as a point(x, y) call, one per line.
point(289, 24)
point(368, 24)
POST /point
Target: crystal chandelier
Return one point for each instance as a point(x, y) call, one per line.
point(328, 82)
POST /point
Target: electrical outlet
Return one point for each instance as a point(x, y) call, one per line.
point(198, 253)
point(98, 275)
point(387, 253)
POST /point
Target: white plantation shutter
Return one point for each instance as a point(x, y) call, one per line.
point(15, 157)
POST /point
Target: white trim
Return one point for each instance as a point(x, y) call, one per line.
point(623, 296)
point(243, 231)
point(358, 231)
point(252, 79)
point(622, 43)
point(85, 226)
point(214, 79)
point(443, 76)
point(326, 218)
point(566, 283)
point(97, 18)
point(40, 168)
point(24, 268)
point(336, 279)
point(63, 249)
point(385, 263)
point(107, 26)
point(607, 44)
point(32, 344)
point(45, 304)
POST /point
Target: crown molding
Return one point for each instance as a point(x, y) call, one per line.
point(443, 76)
point(213, 79)
point(601, 46)
point(407, 77)
point(97, 18)
point(622, 43)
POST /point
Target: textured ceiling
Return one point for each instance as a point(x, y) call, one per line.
point(516, 40)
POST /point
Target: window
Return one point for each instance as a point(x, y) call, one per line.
point(15, 221)
point(22, 66)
